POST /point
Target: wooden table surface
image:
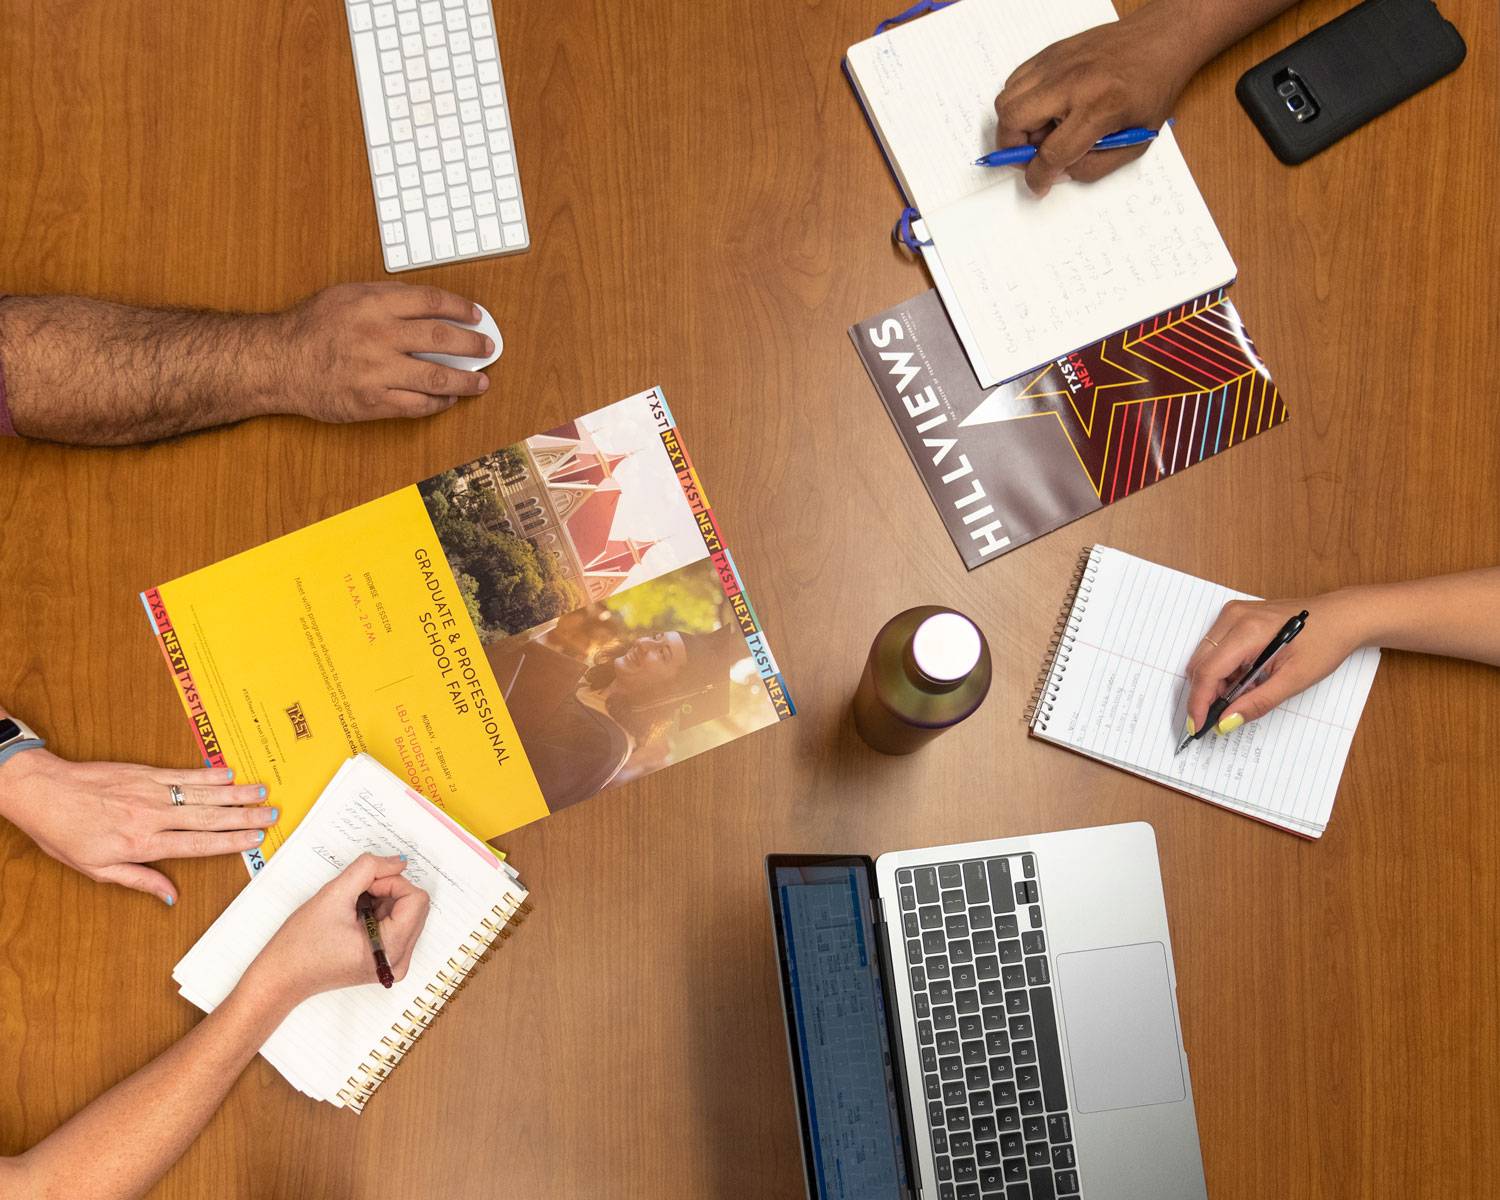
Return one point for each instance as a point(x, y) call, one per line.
point(709, 213)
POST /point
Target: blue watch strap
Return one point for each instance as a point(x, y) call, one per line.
point(15, 748)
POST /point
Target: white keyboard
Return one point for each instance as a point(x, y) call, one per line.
point(437, 126)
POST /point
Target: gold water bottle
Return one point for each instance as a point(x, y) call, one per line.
point(928, 669)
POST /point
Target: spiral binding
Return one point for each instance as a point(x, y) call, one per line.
point(360, 1086)
point(1060, 648)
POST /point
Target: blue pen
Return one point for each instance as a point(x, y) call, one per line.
point(1019, 156)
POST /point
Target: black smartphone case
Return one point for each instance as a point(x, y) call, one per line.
point(1357, 66)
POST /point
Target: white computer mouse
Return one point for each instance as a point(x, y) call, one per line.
point(486, 325)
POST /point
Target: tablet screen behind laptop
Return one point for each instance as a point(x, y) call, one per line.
point(832, 987)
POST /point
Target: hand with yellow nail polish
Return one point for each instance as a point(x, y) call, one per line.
point(1335, 629)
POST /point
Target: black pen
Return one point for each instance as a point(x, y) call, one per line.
point(1252, 676)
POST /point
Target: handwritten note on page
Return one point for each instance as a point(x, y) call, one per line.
point(1116, 692)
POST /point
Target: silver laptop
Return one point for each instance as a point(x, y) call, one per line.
point(989, 1021)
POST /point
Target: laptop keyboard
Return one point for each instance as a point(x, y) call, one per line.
point(992, 1073)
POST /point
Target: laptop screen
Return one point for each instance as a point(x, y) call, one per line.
point(836, 1013)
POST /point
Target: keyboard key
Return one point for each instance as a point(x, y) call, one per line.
point(960, 1145)
point(1028, 1077)
point(1036, 1154)
point(411, 198)
point(947, 1042)
point(981, 1104)
point(1000, 886)
point(943, 1017)
point(975, 887)
point(1041, 1185)
point(1036, 971)
point(951, 1067)
point(1024, 1053)
point(1008, 1120)
point(1033, 943)
point(1004, 1094)
point(974, 1055)
point(970, 1029)
point(990, 1178)
point(958, 1118)
point(1009, 951)
point(1010, 1145)
point(937, 966)
point(1067, 1183)
point(964, 975)
point(1050, 1053)
point(943, 1165)
point(968, 1002)
point(393, 232)
point(1001, 1068)
point(966, 1191)
point(990, 990)
point(954, 1092)
point(1020, 1027)
point(1034, 1128)
point(395, 257)
point(964, 1169)
point(406, 154)
point(1016, 1002)
point(506, 188)
point(929, 1060)
point(1062, 1158)
point(977, 1077)
point(986, 966)
point(933, 941)
point(385, 14)
point(1026, 892)
point(996, 1043)
point(382, 160)
point(959, 950)
point(430, 161)
point(500, 144)
point(930, 916)
point(932, 1087)
point(909, 925)
point(416, 238)
point(1015, 1170)
point(366, 57)
point(953, 902)
point(941, 991)
point(1036, 916)
point(390, 210)
point(1007, 926)
point(994, 1018)
point(385, 186)
point(919, 979)
point(1031, 1104)
point(360, 17)
point(924, 1033)
point(950, 875)
point(984, 941)
point(984, 1129)
point(1028, 865)
point(1060, 1128)
point(913, 952)
point(919, 1003)
point(926, 884)
point(940, 1143)
point(456, 174)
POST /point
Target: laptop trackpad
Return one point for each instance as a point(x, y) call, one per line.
point(1122, 1029)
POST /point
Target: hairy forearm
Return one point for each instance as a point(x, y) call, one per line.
point(1455, 615)
point(95, 373)
point(1203, 29)
point(129, 1137)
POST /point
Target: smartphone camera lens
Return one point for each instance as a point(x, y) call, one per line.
point(1286, 88)
point(1295, 102)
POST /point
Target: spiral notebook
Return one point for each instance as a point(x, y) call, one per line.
point(1112, 687)
point(340, 1046)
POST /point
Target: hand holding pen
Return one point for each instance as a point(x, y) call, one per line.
point(1335, 625)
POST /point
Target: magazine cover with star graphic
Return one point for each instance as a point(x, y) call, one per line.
point(1005, 465)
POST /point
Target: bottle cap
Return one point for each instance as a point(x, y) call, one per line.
point(946, 647)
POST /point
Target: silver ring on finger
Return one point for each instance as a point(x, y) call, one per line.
point(178, 800)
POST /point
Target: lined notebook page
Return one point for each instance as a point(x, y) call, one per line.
point(1116, 692)
point(1035, 279)
point(320, 1045)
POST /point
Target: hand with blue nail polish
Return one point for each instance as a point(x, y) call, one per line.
point(108, 820)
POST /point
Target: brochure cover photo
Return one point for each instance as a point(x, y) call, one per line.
point(510, 636)
point(1004, 465)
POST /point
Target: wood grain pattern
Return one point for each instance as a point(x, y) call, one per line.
point(709, 213)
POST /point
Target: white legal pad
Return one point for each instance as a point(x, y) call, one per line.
point(339, 1046)
point(1025, 280)
point(1114, 689)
